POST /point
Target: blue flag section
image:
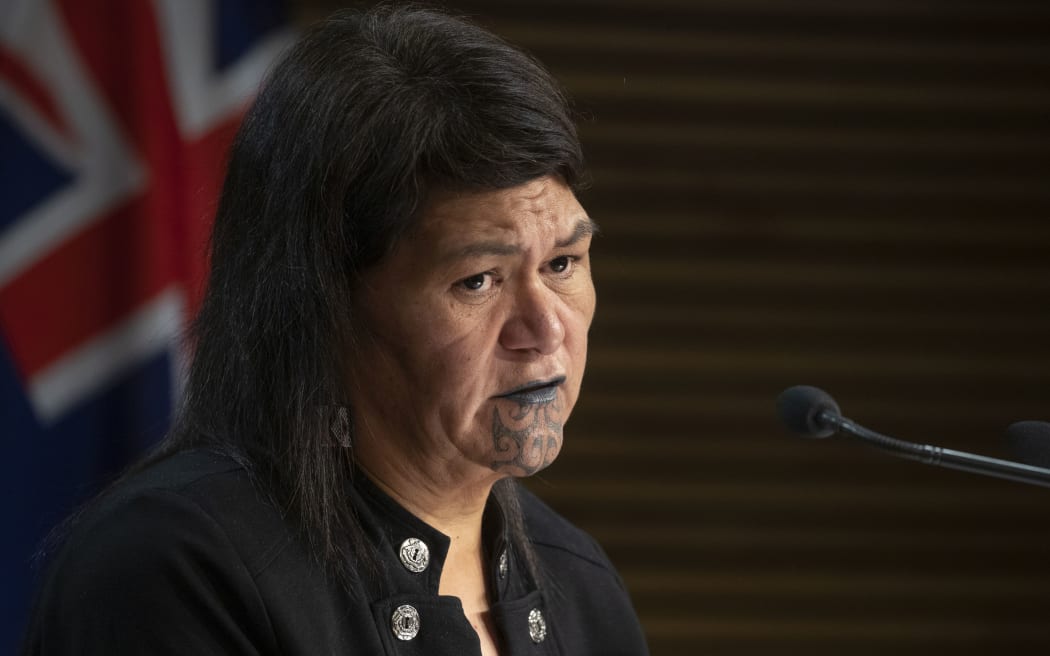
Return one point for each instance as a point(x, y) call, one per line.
point(110, 165)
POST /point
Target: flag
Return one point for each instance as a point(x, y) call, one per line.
point(115, 116)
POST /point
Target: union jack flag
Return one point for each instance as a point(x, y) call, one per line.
point(114, 120)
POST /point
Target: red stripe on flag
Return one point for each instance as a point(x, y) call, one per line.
point(131, 74)
point(184, 175)
point(30, 89)
point(82, 288)
point(101, 275)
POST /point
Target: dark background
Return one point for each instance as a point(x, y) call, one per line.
point(847, 194)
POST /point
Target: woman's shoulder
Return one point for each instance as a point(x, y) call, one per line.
point(170, 501)
point(180, 541)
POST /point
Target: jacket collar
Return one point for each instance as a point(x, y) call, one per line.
point(415, 567)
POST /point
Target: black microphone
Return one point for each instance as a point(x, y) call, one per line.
point(811, 412)
point(1030, 442)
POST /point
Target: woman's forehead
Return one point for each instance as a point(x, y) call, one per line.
point(546, 205)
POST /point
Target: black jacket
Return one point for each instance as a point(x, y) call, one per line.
point(186, 558)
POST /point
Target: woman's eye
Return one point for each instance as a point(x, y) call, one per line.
point(477, 283)
point(562, 264)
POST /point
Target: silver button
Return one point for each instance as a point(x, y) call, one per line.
point(503, 566)
point(537, 626)
point(415, 555)
point(405, 622)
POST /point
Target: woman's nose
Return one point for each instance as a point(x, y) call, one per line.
point(533, 323)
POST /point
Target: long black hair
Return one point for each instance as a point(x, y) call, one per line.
point(365, 115)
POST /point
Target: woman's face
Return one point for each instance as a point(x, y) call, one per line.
point(476, 331)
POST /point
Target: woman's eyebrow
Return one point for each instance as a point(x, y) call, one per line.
point(585, 226)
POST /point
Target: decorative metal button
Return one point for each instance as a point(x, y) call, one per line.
point(405, 622)
point(503, 566)
point(415, 555)
point(537, 626)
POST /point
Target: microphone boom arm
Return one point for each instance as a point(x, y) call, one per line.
point(935, 455)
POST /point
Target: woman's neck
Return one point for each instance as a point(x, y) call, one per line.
point(452, 500)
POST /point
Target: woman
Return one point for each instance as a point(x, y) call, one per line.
point(395, 327)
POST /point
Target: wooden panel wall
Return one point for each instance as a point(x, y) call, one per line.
point(847, 194)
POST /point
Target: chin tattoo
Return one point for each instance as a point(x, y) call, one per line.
point(527, 438)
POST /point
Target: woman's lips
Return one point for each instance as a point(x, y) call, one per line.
point(535, 392)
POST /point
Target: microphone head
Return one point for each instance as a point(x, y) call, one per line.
point(1029, 442)
point(800, 409)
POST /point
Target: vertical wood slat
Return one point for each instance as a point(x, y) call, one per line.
point(853, 195)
